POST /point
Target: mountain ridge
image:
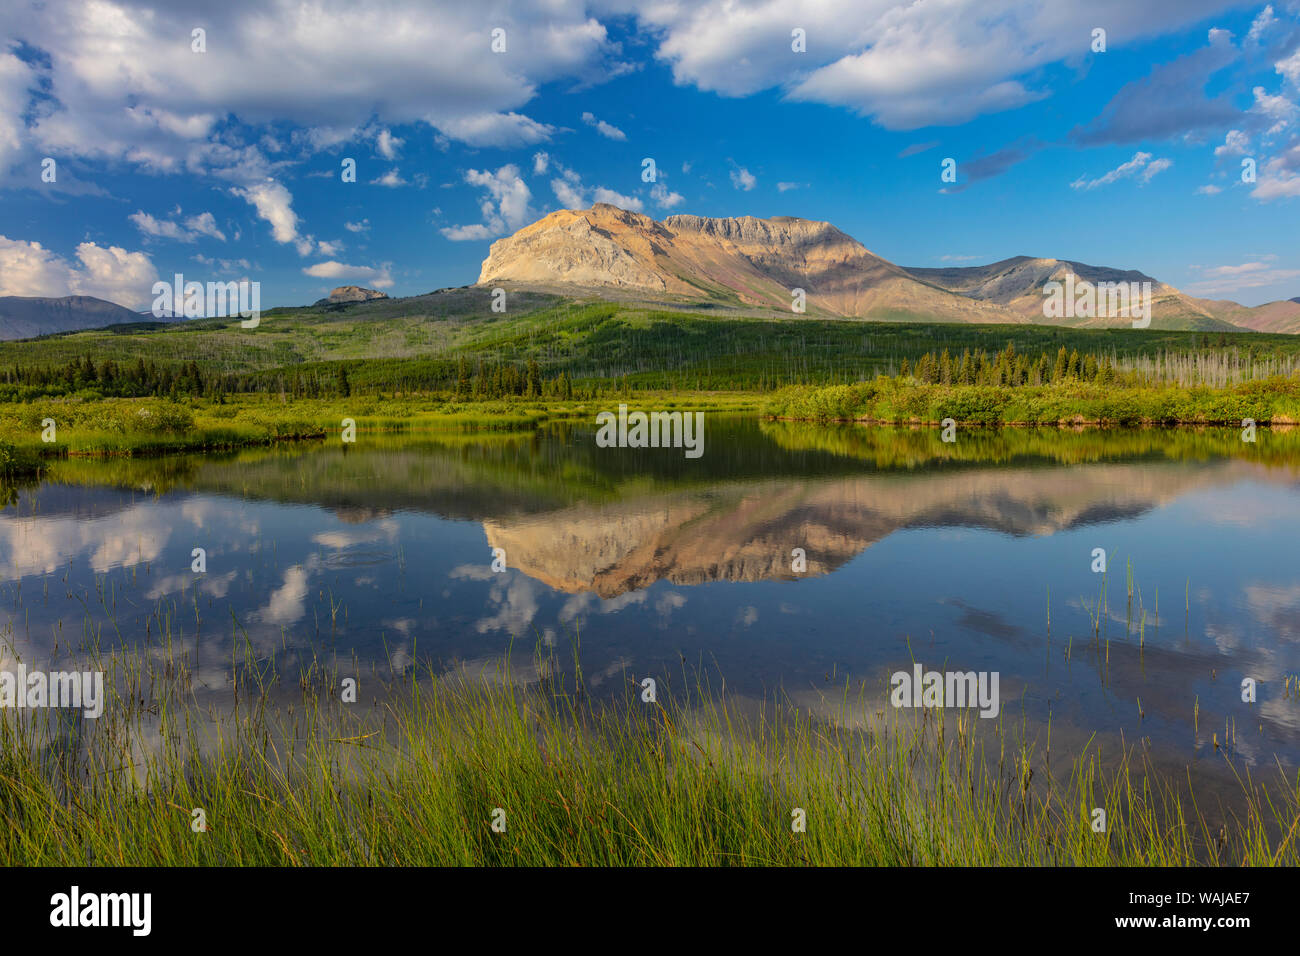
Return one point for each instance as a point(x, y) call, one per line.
point(23, 317)
point(758, 263)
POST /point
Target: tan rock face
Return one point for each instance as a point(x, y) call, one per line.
point(751, 262)
point(744, 260)
point(355, 293)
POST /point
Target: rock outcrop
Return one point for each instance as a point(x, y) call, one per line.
point(352, 293)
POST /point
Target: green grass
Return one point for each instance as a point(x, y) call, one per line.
point(416, 344)
point(414, 777)
point(1275, 400)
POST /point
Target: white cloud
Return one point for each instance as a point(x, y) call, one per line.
point(505, 208)
point(605, 129)
point(122, 82)
point(743, 179)
point(1234, 144)
point(1137, 166)
point(106, 272)
point(1209, 190)
point(1290, 67)
point(380, 277)
point(362, 226)
point(908, 65)
point(1276, 181)
point(273, 203)
point(388, 144)
point(569, 195)
point(541, 161)
point(471, 232)
point(392, 179)
point(572, 194)
point(203, 224)
point(1278, 108)
point(1217, 280)
point(1155, 168)
point(664, 198)
point(15, 77)
point(1261, 24)
point(160, 228)
point(621, 200)
point(503, 130)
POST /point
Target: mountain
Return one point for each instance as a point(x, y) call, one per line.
point(756, 263)
point(1282, 316)
point(351, 293)
point(1017, 283)
point(740, 261)
point(25, 317)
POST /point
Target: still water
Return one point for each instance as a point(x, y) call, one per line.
point(974, 556)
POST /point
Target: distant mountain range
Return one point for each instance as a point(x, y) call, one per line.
point(747, 264)
point(750, 262)
point(24, 317)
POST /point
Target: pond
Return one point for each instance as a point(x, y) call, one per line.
point(816, 561)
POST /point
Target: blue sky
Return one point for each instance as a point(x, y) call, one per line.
point(225, 164)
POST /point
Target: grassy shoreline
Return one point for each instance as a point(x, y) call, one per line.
point(138, 427)
point(417, 775)
point(892, 401)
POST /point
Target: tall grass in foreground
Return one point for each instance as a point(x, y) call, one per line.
point(416, 780)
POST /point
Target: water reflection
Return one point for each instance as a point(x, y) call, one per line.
point(974, 556)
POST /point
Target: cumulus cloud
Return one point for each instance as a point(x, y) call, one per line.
point(664, 197)
point(908, 65)
point(273, 203)
point(387, 144)
point(573, 194)
point(204, 224)
point(144, 95)
point(15, 77)
point(379, 278)
point(743, 179)
point(505, 205)
point(1276, 181)
point(605, 129)
point(1234, 144)
point(106, 272)
point(392, 179)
